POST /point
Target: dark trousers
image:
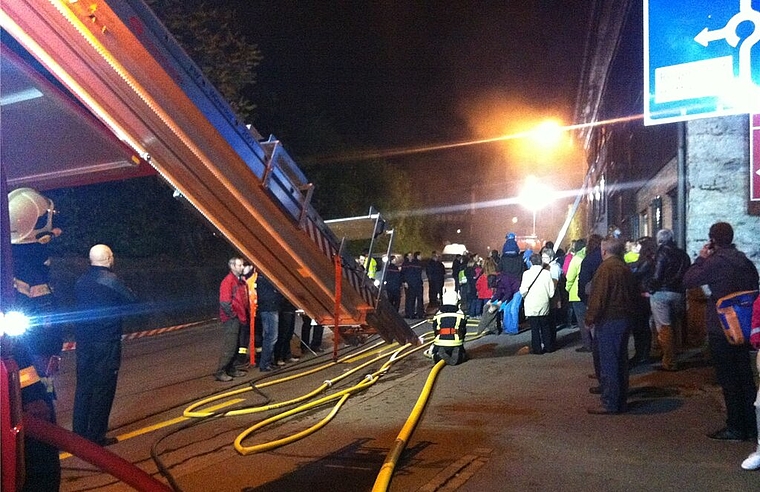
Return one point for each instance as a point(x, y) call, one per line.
point(540, 334)
point(414, 307)
point(394, 297)
point(611, 337)
point(43, 467)
point(244, 340)
point(230, 337)
point(642, 334)
point(97, 372)
point(733, 370)
point(312, 338)
point(435, 291)
point(286, 326)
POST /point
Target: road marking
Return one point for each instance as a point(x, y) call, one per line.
point(456, 474)
point(161, 425)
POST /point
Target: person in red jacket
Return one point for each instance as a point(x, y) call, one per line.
point(233, 312)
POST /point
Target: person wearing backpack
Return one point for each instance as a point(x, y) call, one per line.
point(726, 270)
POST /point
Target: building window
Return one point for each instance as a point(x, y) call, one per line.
point(644, 221)
point(655, 208)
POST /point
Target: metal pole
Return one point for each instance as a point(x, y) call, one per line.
point(681, 191)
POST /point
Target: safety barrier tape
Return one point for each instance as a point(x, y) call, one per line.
point(147, 333)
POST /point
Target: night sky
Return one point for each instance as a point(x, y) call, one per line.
point(416, 73)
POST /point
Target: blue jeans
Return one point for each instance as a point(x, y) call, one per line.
point(611, 336)
point(269, 325)
point(512, 314)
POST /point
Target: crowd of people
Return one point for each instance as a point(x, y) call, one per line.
point(615, 290)
point(247, 297)
point(611, 289)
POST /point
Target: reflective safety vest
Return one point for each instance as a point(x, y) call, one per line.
point(450, 328)
point(370, 265)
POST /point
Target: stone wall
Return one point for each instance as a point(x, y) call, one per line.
point(717, 183)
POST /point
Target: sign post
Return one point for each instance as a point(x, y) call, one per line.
point(754, 159)
point(701, 59)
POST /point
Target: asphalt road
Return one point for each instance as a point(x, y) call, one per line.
point(501, 421)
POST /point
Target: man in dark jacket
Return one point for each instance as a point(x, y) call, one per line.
point(411, 275)
point(436, 273)
point(667, 294)
point(726, 270)
point(392, 281)
point(269, 302)
point(101, 298)
point(612, 310)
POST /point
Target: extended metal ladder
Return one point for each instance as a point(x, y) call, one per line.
point(121, 63)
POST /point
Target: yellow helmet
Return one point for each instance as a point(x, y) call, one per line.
point(31, 216)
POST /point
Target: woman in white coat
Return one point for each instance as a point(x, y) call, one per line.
point(537, 289)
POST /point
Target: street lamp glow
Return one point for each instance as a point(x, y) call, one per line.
point(535, 196)
point(547, 135)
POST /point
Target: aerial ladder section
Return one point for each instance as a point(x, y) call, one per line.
point(122, 64)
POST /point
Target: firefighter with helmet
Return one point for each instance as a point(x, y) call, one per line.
point(37, 352)
point(31, 221)
point(450, 327)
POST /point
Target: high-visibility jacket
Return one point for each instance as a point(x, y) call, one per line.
point(370, 265)
point(450, 327)
point(252, 296)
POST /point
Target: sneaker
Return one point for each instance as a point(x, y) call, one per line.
point(223, 377)
point(237, 374)
point(294, 359)
point(752, 462)
point(726, 434)
point(280, 363)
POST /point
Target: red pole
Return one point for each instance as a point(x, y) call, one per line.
point(92, 453)
point(338, 284)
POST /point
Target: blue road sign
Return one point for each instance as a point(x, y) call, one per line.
point(701, 59)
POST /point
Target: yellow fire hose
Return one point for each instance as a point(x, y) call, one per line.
point(386, 471)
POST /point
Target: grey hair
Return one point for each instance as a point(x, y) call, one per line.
point(664, 236)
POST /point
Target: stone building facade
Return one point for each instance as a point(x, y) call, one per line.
point(683, 176)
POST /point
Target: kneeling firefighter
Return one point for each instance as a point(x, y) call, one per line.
point(450, 326)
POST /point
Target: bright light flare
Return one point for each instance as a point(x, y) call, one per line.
point(535, 195)
point(547, 135)
point(13, 323)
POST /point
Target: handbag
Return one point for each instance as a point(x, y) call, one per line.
point(735, 315)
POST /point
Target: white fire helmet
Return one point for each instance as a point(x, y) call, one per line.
point(31, 216)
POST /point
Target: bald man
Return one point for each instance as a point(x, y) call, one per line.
point(101, 299)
